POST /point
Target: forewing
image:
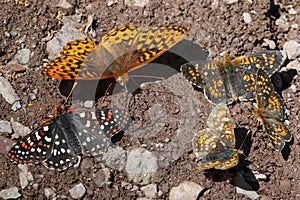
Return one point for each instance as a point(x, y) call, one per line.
point(264, 88)
point(69, 65)
point(270, 61)
point(150, 43)
point(79, 48)
point(35, 147)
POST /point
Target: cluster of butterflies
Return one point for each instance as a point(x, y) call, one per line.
point(58, 142)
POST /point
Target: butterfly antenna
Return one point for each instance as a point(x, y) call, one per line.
point(106, 93)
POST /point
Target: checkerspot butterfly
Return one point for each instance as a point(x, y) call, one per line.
point(271, 111)
point(231, 80)
point(57, 142)
point(214, 147)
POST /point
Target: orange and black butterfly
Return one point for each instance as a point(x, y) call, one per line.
point(271, 111)
point(122, 50)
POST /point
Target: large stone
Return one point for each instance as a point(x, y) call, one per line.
point(292, 48)
point(77, 191)
point(11, 193)
point(141, 165)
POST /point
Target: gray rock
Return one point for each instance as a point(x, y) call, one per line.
point(77, 191)
point(22, 56)
point(68, 32)
point(292, 48)
point(19, 129)
point(5, 144)
point(49, 193)
point(150, 191)
point(185, 190)
point(138, 3)
point(5, 127)
point(114, 158)
point(11, 193)
point(248, 193)
point(9, 94)
point(103, 177)
point(24, 175)
point(141, 165)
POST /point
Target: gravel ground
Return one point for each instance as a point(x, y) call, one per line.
point(165, 114)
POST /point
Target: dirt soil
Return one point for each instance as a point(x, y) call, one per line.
point(159, 109)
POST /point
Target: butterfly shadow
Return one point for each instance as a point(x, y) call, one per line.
point(162, 67)
point(282, 80)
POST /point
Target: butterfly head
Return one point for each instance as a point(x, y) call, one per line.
point(122, 79)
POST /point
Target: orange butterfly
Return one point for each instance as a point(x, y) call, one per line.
point(122, 50)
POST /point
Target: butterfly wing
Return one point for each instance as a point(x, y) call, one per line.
point(46, 145)
point(69, 65)
point(271, 111)
point(214, 146)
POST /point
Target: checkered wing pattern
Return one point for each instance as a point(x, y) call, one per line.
point(57, 142)
point(122, 50)
point(214, 146)
point(248, 66)
point(271, 111)
point(209, 76)
point(231, 80)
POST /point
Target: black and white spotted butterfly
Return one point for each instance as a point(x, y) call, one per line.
point(57, 143)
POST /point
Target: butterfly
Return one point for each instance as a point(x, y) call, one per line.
point(231, 80)
point(57, 142)
point(214, 147)
point(122, 50)
point(271, 111)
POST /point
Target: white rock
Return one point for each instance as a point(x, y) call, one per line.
point(292, 48)
point(248, 193)
point(231, 1)
point(49, 193)
point(111, 2)
point(64, 4)
point(269, 43)
point(150, 191)
point(138, 3)
point(11, 193)
point(292, 11)
point(19, 129)
point(88, 104)
point(24, 175)
point(8, 92)
point(295, 64)
point(185, 190)
point(293, 88)
point(77, 191)
point(5, 127)
point(247, 18)
point(141, 165)
point(22, 56)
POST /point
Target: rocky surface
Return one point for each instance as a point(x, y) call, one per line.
point(165, 114)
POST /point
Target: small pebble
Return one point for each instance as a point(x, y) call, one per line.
point(77, 191)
